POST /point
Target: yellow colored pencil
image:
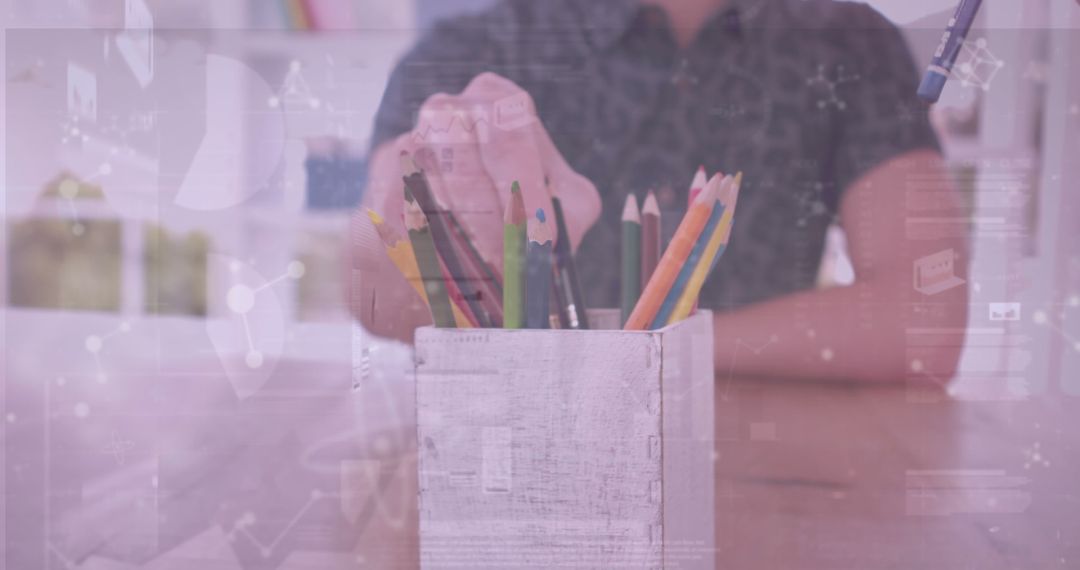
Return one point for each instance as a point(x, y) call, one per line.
point(400, 251)
point(729, 195)
point(672, 261)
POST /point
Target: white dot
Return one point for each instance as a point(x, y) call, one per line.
point(61, 381)
point(69, 189)
point(11, 418)
point(240, 299)
point(1076, 346)
point(105, 169)
point(1074, 301)
point(253, 358)
point(1039, 317)
point(93, 344)
point(102, 378)
point(316, 494)
point(827, 354)
point(916, 365)
point(294, 65)
point(296, 269)
point(125, 326)
point(314, 103)
point(82, 409)
point(273, 102)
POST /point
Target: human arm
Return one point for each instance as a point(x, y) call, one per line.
point(860, 332)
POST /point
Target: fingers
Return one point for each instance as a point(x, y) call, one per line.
point(511, 152)
point(521, 149)
point(450, 130)
point(577, 194)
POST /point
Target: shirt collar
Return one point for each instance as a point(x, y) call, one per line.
point(606, 21)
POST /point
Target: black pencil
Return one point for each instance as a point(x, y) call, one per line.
point(417, 184)
point(567, 288)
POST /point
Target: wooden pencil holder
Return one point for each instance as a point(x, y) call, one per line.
point(567, 448)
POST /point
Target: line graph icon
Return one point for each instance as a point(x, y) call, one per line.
point(243, 525)
point(81, 93)
point(452, 126)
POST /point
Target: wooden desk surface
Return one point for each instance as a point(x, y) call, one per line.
point(822, 476)
point(817, 476)
point(808, 476)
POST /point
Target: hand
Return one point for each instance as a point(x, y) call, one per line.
point(472, 146)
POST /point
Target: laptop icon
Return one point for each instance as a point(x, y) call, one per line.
point(935, 273)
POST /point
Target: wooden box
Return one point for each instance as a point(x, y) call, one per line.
point(564, 448)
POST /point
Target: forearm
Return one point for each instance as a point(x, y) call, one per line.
point(856, 333)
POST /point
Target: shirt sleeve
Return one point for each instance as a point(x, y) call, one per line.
point(881, 116)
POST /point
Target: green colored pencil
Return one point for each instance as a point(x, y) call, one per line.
point(514, 239)
point(631, 257)
point(427, 259)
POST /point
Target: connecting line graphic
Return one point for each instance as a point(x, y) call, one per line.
point(241, 299)
point(94, 344)
point(69, 191)
point(829, 86)
point(294, 89)
point(735, 356)
point(980, 67)
point(247, 520)
point(1042, 318)
point(118, 448)
point(68, 563)
point(1033, 457)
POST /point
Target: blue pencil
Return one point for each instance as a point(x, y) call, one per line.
point(933, 81)
point(538, 273)
point(687, 269)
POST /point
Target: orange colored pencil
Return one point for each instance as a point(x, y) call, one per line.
point(671, 263)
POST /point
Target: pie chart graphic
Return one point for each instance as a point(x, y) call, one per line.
point(242, 144)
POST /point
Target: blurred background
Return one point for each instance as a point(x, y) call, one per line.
point(179, 176)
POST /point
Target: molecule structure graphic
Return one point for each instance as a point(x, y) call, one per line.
point(828, 87)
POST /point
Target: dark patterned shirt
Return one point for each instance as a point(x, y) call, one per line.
point(803, 96)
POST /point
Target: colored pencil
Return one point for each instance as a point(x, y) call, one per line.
point(514, 240)
point(488, 290)
point(427, 261)
point(416, 182)
point(650, 237)
point(677, 288)
point(697, 184)
point(713, 251)
point(491, 276)
point(674, 257)
point(462, 314)
point(631, 257)
point(400, 251)
point(538, 273)
point(568, 289)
